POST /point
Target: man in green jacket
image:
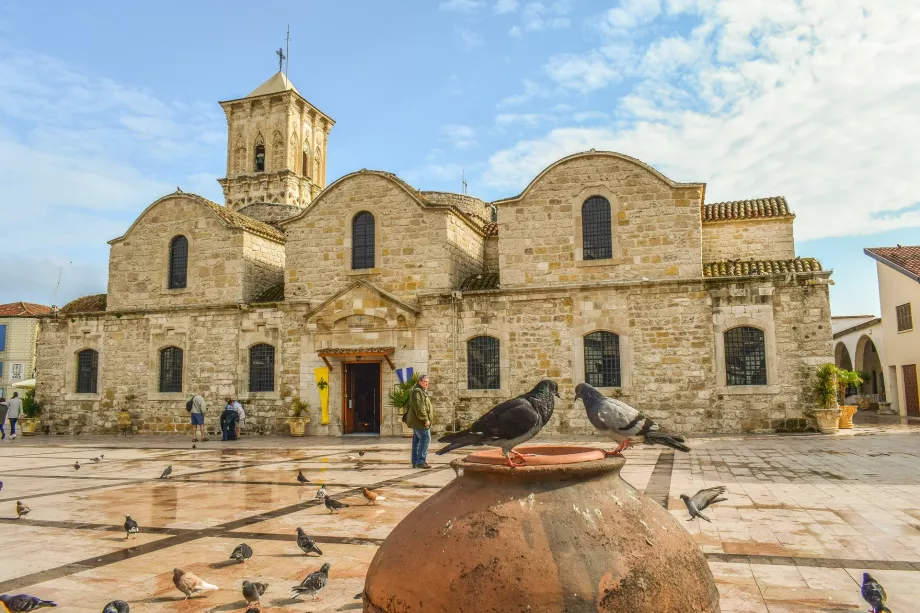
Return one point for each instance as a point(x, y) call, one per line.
point(418, 417)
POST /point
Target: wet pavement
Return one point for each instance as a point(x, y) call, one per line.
point(805, 516)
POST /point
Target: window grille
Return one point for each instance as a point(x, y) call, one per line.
point(597, 238)
point(178, 262)
point(171, 370)
point(482, 363)
point(87, 371)
point(602, 359)
point(362, 241)
point(261, 368)
point(745, 356)
point(904, 317)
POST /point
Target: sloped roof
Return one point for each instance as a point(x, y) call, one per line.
point(756, 268)
point(87, 304)
point(903, 258)
point(480, 282)
point(23, 309)
point(275, 293)
point(275, 85)
point(490, 229)
point(758, 208)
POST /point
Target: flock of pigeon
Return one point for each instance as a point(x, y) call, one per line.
point(506, 425)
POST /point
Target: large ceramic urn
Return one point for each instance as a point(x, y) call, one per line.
point(562, 534)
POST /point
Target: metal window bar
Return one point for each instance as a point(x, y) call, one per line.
point(745, 356)
point(597, 239)
point(171, 370)
point(362, 241)
point(87, 371)
point(261, 368)
point(483, 370)
point(602, 359)
point(178, 262)
point(904, 317)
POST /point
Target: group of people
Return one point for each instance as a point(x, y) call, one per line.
point(231, 419)
point(10, 409)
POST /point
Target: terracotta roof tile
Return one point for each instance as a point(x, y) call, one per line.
point(490, 229)
point(23, 309)
point(480, 282)
point(904, 257)
point(758, 208)
point(754, 268)
point(275, 293)
point(349, 350)
point(86, 304)
point(237, 220)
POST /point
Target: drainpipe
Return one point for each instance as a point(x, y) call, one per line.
point(455, 298)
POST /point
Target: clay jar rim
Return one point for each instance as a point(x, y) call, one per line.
point(547, 459)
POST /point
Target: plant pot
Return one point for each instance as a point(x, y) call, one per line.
point(847, 412)
point(298, 425)
point(28, 425)
point(827, 420)
point(567, 534)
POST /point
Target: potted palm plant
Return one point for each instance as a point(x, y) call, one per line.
point(298, 419)
point(30, 421)
point(846, 379)
point(399, 398)
point(824, 389)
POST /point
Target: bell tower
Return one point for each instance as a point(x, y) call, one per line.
point(276, 151)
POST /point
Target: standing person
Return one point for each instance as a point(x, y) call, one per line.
point(199, 408)
point(14, 410)
point(241, 415)
point(418, 417)
point(3, 410)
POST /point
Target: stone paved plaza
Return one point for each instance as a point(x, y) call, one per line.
point(806, 516)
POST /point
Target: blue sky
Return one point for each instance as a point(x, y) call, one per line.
point(106, 106)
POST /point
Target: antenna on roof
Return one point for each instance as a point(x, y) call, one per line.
point(288, 45)
point(463, 179)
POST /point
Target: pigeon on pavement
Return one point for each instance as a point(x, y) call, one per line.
point(187, 583)
point(1, 485)
point(620, 421)
point(508, 424)
point(242, 553)
point(96, 459)
point(874, 594)
point(372, 497)
point(116, 606)
point(314, 583)
point(252, 610)
point(20, 603)
point(76, 465)
point(194, 446)
point(253, 591)
point(21, 509)
point(701, 500)
point(303, 480)
point(131, 527)
point(306, 544)
point(334, 505)
point(361, 454)
point(166, 472)
point(321, 492)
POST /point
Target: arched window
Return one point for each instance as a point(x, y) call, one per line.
point(597, 238)
point(745, 356)
point(178, 262)
point(171, 370)
point(305, 163)
point(87, 371)
point(482, 363)
point(259, 165)
point(261, 368)
point(362, 241)
point(277, 151)
point(602, 359)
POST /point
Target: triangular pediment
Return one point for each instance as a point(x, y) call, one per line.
point(362, 300)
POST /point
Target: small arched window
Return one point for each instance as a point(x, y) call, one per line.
point(259, 161)
point(261, 368)
point(745, 356)
point(87, 371)
point(277, 151)
point(362, 241)
point(305, 163)
point(170, 370)
point(602, 359)
point(482, 363)
point(597, 237)
point(178, 262)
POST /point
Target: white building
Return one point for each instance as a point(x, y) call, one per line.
point(18, 335)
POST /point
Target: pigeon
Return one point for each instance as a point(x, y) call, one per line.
point(194, 446)
point(131, 527)
point(874, 594)
point(372, 497)
point(314, 583)
point(187, 583)
point(252, 610)
point(96, 460)
point(253, 591)
point(334, 505)
point(21, 509)
point(76, 465)
point(20, 603)
point(509, 424)
point(303, 480)
point(166, 472)
point(321, 492)
point(361, 454)
point(1, 485)
point(116, 606)
point(101, 456)
point(701, 500)
point(620, 421)
point(359, 595)
point(305, 543)
point(351, 458)
point(242, 553)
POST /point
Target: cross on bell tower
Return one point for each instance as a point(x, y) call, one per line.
point(281, 58)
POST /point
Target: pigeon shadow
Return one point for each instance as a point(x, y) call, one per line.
point(284, 602)
point(232, 606)
point(353, 606)
point(224, 564)
point(160, 599)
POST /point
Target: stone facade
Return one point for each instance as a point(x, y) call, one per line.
point(443, 273)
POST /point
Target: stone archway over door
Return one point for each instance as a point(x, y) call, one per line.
point(842, 357)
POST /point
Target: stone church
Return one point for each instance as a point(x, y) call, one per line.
point(294, 290)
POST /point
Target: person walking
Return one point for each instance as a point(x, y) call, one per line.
point(14, 410)
point(3, 410)
point(418, 417)
point(199, 408)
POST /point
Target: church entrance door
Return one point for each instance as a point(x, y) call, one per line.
point(362, 398)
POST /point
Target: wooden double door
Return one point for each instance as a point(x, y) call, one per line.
point(362, 403)
point(911, 394)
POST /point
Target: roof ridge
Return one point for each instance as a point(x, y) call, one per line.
point(753, 208)
point(754, 268)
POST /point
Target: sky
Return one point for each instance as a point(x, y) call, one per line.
point(107, 106)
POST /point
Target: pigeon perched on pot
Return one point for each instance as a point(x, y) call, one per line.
point(306, 544)
point(20, 603)
point(242, 553)
point(334, 505)
point(620, 421)
point(253, 591)
point(166, 472)
point(874, 594)
point(321, 492)
point(21, 509)
point(131, 527)
point(188, 583)
point(701, 500)
point(508, 424)
point(303, 480)
point(372, 497)
point(116, 606)
point(313, 584)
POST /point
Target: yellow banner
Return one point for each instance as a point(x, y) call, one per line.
point(322, 383)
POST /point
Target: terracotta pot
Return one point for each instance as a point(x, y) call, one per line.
point(847, 412)
point(561, 534)
point(298, 425)
point(28, 425)
point(828, 420)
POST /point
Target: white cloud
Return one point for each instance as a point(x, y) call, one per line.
point(459, 135)
point(632, 13)
point(532, 90)
point(538, 16)
point(585, 72)
point(505, 6)
point(463, 6)
point(470, 39)
point(585, 116)
point(528, 119)
point(430, 176)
